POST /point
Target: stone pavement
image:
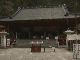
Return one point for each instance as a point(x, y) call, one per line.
point(26, 54)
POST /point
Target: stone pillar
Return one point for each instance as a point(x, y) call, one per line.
point(68, 33)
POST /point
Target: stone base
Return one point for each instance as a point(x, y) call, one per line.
point(2, 47)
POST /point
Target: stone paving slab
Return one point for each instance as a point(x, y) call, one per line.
point(26, 54)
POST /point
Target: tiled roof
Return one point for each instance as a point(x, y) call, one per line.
point(41, 13)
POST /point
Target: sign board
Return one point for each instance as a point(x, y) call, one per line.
point(76, 49)
point(8, 42)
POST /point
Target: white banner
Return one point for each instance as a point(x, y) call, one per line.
point(8, 42)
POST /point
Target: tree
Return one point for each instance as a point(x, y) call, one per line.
point(6, 8)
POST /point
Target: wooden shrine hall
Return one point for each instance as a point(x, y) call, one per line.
point(39, 22)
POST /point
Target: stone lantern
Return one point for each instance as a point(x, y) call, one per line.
point(3, 39)
point(68, 34)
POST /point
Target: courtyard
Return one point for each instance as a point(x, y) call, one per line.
point(26, 54)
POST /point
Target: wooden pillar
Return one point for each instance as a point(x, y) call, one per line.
point(31, 32)
point(8, 31)
point(44, 32)
point(16, 35)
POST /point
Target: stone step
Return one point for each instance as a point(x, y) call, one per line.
point(25, 43)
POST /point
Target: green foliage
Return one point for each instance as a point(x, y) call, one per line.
point(6, 8)
point(78, 27)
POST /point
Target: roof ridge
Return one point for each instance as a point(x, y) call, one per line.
point(41, 6)
point(65, 9)
point(19, 9)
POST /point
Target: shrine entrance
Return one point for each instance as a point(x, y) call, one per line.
point(24, 33)
point(51, 32)
point(35, 32)
point(38, 32)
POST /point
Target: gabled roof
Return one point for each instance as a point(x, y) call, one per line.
point(58, 12)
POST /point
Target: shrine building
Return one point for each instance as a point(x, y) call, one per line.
point(39, 22)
